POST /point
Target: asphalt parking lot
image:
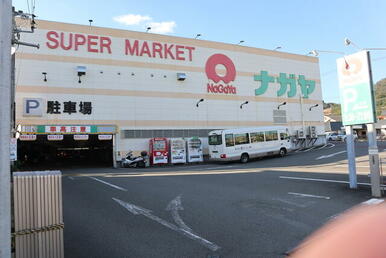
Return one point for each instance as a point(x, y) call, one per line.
point(259, 209)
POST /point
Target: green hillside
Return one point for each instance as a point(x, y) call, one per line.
point(380, 95)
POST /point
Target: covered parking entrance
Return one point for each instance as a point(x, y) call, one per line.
point(52, 146)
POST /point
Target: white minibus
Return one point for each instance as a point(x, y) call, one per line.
point(246, 143)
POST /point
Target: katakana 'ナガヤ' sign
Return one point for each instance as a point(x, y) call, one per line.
point(287, 83)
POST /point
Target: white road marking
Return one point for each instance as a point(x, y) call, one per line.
point(134, 209)
point(310, 195)
point(70, 177)
point(330, 155)
point(109, 184)
point(324, 146)
point(174, 206)
point(309, 149)
point(318, 180)
point(316, 148)
point(373, 201)
point(290, 203)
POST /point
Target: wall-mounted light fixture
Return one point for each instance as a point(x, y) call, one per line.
point(282, 104)
point(81, 71)
point(148, 28)
point(240, 42)
point(313, 107)
point(45, 76)
point(181, 76)
point(201, 100)
point(244, 103)
point(197, 36)
point(277, 48)
point(90, 21)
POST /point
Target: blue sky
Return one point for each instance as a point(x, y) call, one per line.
point(298, 26)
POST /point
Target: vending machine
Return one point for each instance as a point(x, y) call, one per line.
point(194, 150)
point(177, 151)
point(159, 151)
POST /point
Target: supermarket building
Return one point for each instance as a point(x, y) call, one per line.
point(112, 90)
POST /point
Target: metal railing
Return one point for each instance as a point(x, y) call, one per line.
point(38, 214)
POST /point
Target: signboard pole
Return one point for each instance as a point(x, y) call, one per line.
point(374, 161)
point(358, 107)
point(351, 157)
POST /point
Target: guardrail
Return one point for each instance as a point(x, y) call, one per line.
point(38, 214)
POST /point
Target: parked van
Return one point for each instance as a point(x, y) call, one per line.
point(246, 143)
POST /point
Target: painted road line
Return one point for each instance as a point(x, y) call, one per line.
point(70, 177)
point(109, 184)
point(373, 201)
point(318, 180)
point(322, 147)
point(330, 155)
point(174, 206)
point(291, 203)
point(136, 210)
point(310, 195)
point(312, 148)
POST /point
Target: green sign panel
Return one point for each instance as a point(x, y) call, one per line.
point(355, 86)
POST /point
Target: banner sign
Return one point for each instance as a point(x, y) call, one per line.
point(27, 137)
point(356, 89)
point(55, 137)
point(81, 137)
point(105, 137)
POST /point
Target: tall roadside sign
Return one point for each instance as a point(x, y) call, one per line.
point(358, 107)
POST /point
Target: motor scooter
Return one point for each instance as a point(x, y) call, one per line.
point(133, 162)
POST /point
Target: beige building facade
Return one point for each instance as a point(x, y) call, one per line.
point(131, 86)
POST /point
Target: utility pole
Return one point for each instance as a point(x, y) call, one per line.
point(6, 32)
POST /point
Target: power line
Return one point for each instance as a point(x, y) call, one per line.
point(29, 10)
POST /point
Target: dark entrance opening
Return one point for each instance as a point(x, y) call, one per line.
point(45, 154)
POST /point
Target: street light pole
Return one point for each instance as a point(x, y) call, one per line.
point(5, 122)
point(349, 132)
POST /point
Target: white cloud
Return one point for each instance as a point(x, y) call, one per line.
point(131, 19)
point(162, 27)
point(145, 21)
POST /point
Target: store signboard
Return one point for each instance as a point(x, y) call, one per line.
point(55, 137)
point(81, 137)
point(71, 129)
point(105, 137)
point(33, 107)
point(67, 129)
point(27, 137)
point(356, 89)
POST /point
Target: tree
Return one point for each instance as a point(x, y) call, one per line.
point(380, 96)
